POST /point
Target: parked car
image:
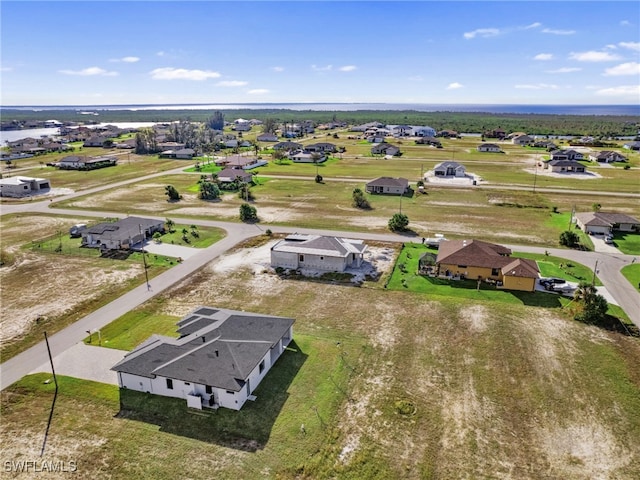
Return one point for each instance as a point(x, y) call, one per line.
point(551, 282)
point(608, 240)
point(76, 230)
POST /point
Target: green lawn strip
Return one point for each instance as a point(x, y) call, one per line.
point(551, 266)
point(34, 386)
point(204, 168)
point(627, 242)
point(134, 327)
point(204, 236)
point(560, 221)
point(632, 274)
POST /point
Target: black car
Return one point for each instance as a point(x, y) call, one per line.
point(550, 282)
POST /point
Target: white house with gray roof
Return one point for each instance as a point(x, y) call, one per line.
point(219, 359)
point(388, 185)
point(315, 252)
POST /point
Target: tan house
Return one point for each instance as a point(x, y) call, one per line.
point(475, 259)
point(23, 186)
point(388, 185)
point(606, 222)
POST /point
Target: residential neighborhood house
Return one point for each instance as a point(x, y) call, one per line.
point(606, 222)
point(219, 359)
point(76, 162)
point(19, 186)
point(388, 185)
point(564, 166)
point(125, 234)
point(385, 149)
point(329, 254)
point(478, 260)
point(489, 147)
point(449, 169)
point(607, 156)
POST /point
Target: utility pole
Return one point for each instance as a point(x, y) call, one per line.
point(595, 270)
point(535, 175)
point(144, 259)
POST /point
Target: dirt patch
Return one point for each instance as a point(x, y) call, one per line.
point(36, 288)
point(476, 316)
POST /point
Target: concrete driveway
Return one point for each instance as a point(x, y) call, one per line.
point(600, 246)
point(176, 251)
point(87, 362)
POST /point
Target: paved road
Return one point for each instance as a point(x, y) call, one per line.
point(609, 266)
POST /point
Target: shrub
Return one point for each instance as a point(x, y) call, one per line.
point(398, 222)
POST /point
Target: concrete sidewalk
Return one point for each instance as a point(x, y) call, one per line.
point(87, 362)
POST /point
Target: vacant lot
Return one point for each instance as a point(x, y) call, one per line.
point(429, 386)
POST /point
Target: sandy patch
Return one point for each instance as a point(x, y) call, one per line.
point(467, 180)
point(476, 317)
point(583, 450)
point(36, 287)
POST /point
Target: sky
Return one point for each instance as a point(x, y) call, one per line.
point(431, 52)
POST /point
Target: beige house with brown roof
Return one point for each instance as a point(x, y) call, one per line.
point(475, 259)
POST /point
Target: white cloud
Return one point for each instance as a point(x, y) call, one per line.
point(416, 78)
point(316, 68)
point(631, 91)
point(6, 69)
point(231, 83)
point(593, 56)
point(258, 91)
point(277, 69)
point(169, 73)
point(533, 25)
point(630, 45)
point(454, 86)
point(629, 68)
point(558, 32)
point(91, 71)
point(543, 56)
point(482, 32)
point(565, 70)
point(126, 59)
point(537, 86)
point(348, 68)
point(160, 53)
point(626, 23)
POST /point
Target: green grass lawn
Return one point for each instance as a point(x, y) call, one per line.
point(405, 277)
point(204, 236)
point(628, 243)
point(134, 327)
point(632, 274)
point(551, 266)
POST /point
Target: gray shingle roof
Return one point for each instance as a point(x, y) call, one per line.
point(218, 347)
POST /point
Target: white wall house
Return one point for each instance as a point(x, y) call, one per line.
point(23, 186)
point(315, 252)
point(219, 360)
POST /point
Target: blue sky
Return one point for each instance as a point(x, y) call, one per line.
point(159, 52)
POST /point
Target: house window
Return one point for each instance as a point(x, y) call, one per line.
point(495, 272)
point(462, 266)
point(261, 366)
point(301, 258)
point(230, 392)
point(208, 389)
point(169, 384)
point(187, 383)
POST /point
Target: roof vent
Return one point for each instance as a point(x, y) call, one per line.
point(217, 353)
point(203, 339)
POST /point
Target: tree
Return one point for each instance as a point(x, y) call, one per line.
point(170, 224)
point(172, 193)
point(359, 200)
point(208, 190)
point(594, 305)
point(216, 121)
point(248, 213)
point(398, 222)
point(270, 125)
point(569, 239)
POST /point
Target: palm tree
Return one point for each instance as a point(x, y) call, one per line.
point(170, 224)
point(585, 292)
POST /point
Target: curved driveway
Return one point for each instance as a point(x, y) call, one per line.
point(608, 266)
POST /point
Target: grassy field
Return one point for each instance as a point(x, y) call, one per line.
point(457, 212)
point(45, 289)
point(422, 385)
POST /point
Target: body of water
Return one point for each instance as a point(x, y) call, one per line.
point(14, 135)
point(419, 107)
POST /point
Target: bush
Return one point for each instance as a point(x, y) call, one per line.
point(248, 213)
point(569, 239)
point(398, 222)
point(359, 200)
